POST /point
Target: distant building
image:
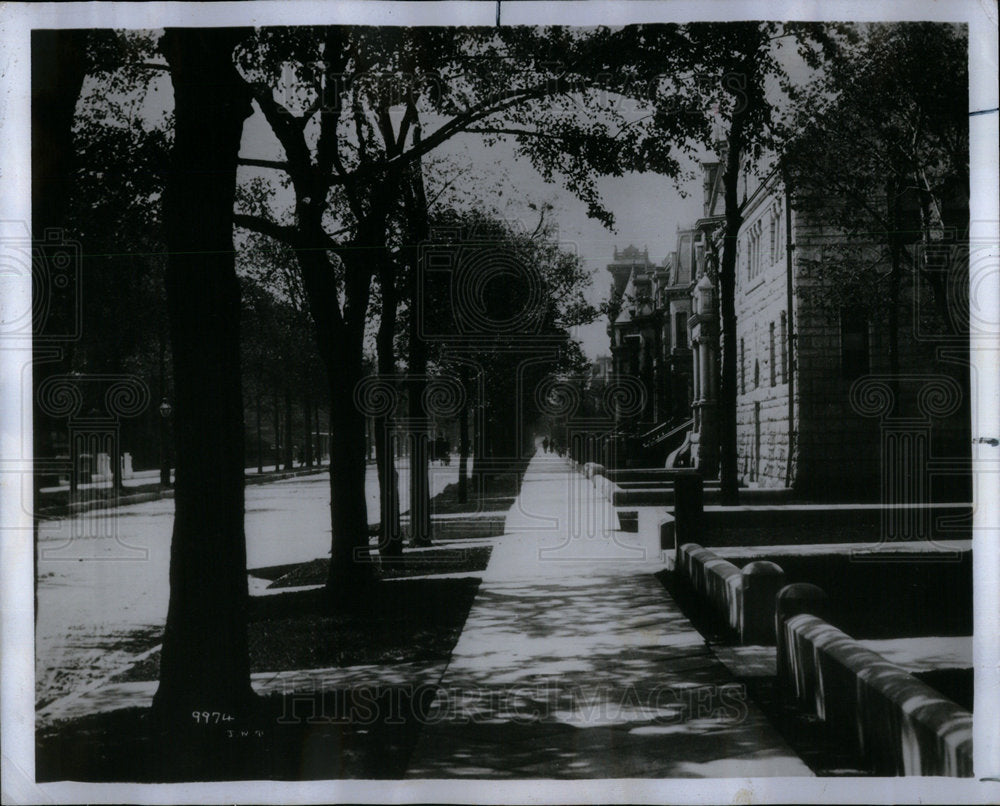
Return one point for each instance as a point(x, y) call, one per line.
point(650, 308)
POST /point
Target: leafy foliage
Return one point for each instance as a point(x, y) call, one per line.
point(878, 146)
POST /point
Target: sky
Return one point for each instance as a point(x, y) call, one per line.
point(648, 208)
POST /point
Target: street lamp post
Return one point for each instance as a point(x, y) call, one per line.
point(165, 411)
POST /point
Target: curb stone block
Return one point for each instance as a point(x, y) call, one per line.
point(898, 724)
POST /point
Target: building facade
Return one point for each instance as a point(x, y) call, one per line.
point(812, 364)
point(648, 329)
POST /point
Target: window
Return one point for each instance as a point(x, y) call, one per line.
point(770, 362)
point(779, 229)
point(773, 238)
point(680, 329)
point(853, 344)
point(783, 336)
point(760, 246)
point(755, 249)
point(756, 374)
point(743, 368)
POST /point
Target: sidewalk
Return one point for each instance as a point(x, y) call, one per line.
point(575, 662)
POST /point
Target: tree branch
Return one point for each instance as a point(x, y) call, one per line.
point(291, 236)
point(277, 165)
point(285, 234)
point(514, 132)
point(462, 121)
point(445, 186)
point(290, 133)
point(409, 116)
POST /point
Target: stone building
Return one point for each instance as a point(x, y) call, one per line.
point(767, 408)
point(813, 365)
point(648, 328)
point(811, 356)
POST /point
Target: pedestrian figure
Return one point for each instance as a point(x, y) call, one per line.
point(545, 444)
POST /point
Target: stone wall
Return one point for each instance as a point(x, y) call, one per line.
point(838, 448)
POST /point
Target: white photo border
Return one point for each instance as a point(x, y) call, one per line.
point(16, 636)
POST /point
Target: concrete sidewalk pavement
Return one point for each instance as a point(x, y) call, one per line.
point(575, 662)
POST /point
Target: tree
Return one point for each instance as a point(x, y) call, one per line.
point(280, 355)
point(417, 229)
point(204, 661)
point(878, 146)
point(513, 331)
point(329, 94)
point(741, 60)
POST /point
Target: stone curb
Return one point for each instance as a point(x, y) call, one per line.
point(744, 598)
point(897, 723)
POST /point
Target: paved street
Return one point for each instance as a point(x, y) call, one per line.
point(103, 576)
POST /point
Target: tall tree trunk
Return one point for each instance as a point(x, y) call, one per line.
point(260, 438)
point(276, 417)
point(306, 428)
point(479, 427)
point(463, 438)
point(728, 481)
point(117, 454)
point(289, 443)
point(204, 662)
point(117, 480)
point(390, 537)
point(340, 341)
point(319, 439)
point(420, 498)
point(350, 558)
